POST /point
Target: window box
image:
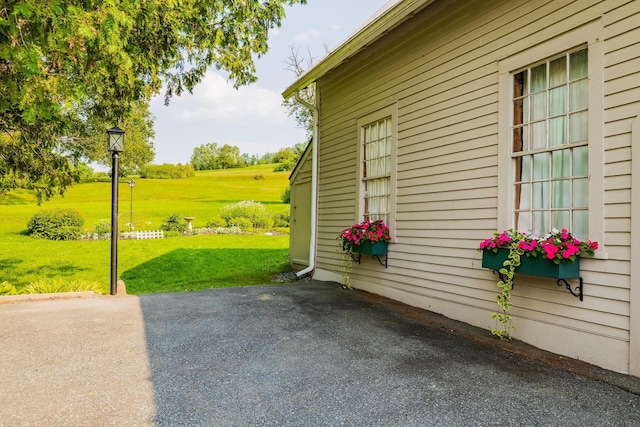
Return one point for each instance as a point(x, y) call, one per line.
point(534, 266)
point(370, 248)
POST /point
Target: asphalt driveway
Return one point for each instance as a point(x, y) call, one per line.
point(306, 354)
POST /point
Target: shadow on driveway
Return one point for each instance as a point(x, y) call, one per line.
point(312, 354)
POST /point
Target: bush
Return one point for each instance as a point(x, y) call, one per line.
point(53, 286)
point(217, 230)
point(286, 166)
point(242, 223)
point(286, 195)
point(102, 228)
point(56, 224)
point(215, 223)
point(255, 212)
point(167, 171)
point(282, 219)
point(7, 288)
point(174, 222)
point(259, 177)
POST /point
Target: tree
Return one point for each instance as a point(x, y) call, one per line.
point(298, 65)
point(205, 157)
point(65, 64)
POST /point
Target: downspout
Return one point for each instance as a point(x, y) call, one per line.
point(314, 185)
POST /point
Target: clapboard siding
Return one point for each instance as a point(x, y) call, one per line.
point(440, 71)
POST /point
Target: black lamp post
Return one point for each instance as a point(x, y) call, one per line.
point(115, 144)
point(131, 184)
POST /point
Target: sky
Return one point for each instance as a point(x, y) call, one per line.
point(252, 117)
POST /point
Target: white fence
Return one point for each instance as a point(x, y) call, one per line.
point(137, 235)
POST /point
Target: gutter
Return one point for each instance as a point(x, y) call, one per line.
point(314, 185)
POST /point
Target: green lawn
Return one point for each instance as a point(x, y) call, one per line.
point(163, 265)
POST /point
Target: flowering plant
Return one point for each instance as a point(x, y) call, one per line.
point(366, 231)
point(558, 245)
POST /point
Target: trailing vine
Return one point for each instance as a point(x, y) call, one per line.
point(504, 322)
point(345, 269)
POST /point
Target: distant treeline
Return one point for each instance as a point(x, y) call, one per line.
point(212, 156)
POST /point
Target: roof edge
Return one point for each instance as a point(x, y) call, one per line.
point(380, 23)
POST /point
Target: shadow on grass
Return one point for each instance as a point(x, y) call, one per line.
point(56, 270)
point(195, 269)
point(12, 199)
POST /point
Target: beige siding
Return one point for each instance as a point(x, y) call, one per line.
point(440, 69)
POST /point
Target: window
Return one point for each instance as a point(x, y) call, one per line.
point(550, 133)
point(376, 169)
point(550, 152)
point(376, 154)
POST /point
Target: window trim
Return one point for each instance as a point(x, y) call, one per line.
point(365, 120)
point(588, 34)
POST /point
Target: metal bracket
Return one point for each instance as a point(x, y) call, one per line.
point(359, 258)
point(578, 290)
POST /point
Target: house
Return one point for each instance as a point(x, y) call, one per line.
point(483, 115)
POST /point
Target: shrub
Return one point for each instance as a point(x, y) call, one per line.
point(102, 228)
point(282, 219)
point(175, 222)
point(242, 223)
point(53, 286)
point(286, 195)
point(167, 171)
point(255, 212)
point(217, 230)
point(285, 166)
point(7, 288)
point(259, 177)
point(56, 224)
point(215, 223)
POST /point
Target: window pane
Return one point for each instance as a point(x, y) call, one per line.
point(560, 220)
point(520, 142)
point(561, 164)
point(557, 131)
point(520, 84)
point(518, 112)
point(525, 190)
point(557, 101)
point(579, 95)
point(523, 221)
point(580, 226)
point(581, 161)
point(526, 168)
point(539, 135)
point(581, 193)
point(540, 224)
point(578, 65)
point(540, 195)
point(539, 78)
point(578, 127)
point(558, 72)
point(561, 197)
point(539, 106)
point(541, 166)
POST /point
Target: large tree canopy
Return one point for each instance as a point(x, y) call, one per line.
point(68, 65)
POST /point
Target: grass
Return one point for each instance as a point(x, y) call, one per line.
point(163, 265)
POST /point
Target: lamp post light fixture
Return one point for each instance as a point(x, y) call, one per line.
point(115, 144)
point(131, 184)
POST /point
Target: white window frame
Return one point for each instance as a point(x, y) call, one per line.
point(589, 34)
point(363, 121)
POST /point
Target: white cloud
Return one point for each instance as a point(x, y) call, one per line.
point(215, 99)
point(335, 27)
point(307, 36)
